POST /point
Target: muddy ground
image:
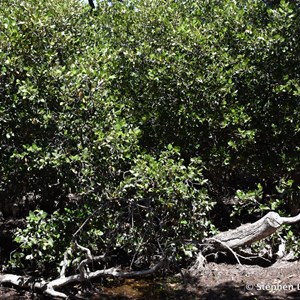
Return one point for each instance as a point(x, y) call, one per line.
point(218, 281)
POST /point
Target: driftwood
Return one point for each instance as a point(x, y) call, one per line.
point(244, 235)
point(253, 232)
point(49, 287)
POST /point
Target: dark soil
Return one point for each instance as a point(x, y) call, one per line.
point(279, 281)
point(218, 281)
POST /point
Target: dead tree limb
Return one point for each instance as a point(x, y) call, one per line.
point(253, 232)
point(242, 236)
point(50, 287)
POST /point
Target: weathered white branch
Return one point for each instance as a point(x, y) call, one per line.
point(226, 246)
point(242, 236)
point(250, 233)
point(64, 264)
point(24, 282)
point(290, 220)
point(50, 287)
point(86, 250)
point(83, 264)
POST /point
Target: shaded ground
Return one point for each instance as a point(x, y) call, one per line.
point(222, 281)
point(280, 281)
point(218, 281)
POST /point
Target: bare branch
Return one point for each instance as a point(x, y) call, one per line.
point(290, 220)
point(50, 287)
point(64, 264)
point(227, 247)
point(250, 233)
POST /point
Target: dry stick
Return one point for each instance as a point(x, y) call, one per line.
point(64, 264)
point(89, 258)
point(86, 220)
point(83, 263)
point(226, 246)
point(90, 216)
point(87, 250)
point(252, 257)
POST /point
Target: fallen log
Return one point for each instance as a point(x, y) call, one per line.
point(243, 235)
point(249, 233)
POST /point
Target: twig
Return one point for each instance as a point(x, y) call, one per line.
point(226, 246)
